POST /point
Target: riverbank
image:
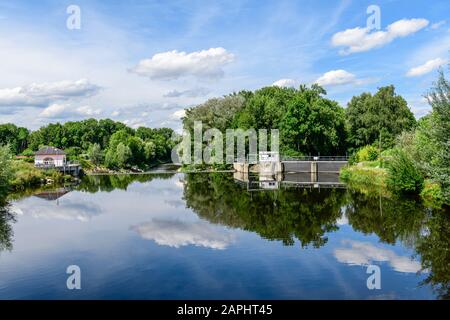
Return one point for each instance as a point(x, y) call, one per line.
point(26, 175)
point(370, 178)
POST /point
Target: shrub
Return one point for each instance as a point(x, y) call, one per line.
point(368, 153)
point(432, 194)
point(404, 176)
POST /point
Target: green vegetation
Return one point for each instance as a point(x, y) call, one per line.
point(308, 122)
point(5, 169)
point(404, 177)
point(377, 118)
point(96, 143)
point(417, 161)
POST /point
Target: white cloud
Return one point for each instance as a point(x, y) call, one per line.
point(59, 111)
point(177, 234)
point(362, 39)
point(65, 209)
point(427, 67)
point(179, 114)
point(339, 77)
point(437, 25)
point(364, 253)
point(191, 93)
point(175, 64)
point(43, 94)
point(289, 83)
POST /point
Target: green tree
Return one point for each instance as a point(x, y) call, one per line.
point(439, 99)
point(123, 155)
point(313, 124)
point(383, 115)
point(95, 154)
point(5, 168)
point(15, 137)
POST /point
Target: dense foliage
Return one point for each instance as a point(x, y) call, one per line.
point(103, 142)
point(377, 118)
point(308, 123)
point(404, 176)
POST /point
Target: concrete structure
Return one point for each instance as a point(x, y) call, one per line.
point(270, 163)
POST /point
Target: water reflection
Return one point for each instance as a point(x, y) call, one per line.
point(176, 233)
point(6, 219)
point(173, 214)
point(284, 214)
point(365, 253)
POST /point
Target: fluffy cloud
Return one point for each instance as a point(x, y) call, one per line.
point(289, 83)
point(362, 39)
point(175, 64)
point(179, 114)
point(66, 209)
point(427, 67)
point(60, 111)
point(191, 93)
point(178, 234)
point(364, 253)
point(339, 77)
point(43, 94)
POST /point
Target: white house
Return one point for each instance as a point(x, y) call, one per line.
point(49, 157)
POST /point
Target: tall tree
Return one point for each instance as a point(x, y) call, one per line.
point(382, 116)
point(439, 99)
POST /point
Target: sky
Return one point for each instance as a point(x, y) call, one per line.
point(144, 62)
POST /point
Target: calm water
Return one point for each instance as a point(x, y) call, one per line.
point(175, 236)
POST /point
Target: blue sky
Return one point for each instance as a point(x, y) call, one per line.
point(143, 62)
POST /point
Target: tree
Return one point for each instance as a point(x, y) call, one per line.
point(439, 99)
point(381, 116)
point(313, 124)
point(15, 137)
point(123, 154)
point(5, 168)
point(95, 154)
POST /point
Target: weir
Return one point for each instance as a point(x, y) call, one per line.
point(271, 163)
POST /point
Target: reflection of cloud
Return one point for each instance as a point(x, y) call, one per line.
point(363, 253)
point(65, 210)
point(175, 203)
point(175, 233)
point(342, 220)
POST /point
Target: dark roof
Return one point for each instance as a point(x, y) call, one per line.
point(49, 150)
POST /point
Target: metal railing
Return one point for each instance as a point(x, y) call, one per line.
point(315, 158)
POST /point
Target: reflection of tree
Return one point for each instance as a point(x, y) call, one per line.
point(389, 219)
point(434, 249)
point(6, 232)
point(283, 214)
point(108, 183)
point(424, 230)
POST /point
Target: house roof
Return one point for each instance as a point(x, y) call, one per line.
point(49, 151)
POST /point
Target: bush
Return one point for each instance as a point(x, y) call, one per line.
point(367, 153)
point(404, 176)
point(432, 194)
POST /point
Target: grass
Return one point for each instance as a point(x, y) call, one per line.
point(369, 178)
point(25, 175)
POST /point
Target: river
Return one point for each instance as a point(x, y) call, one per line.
point(210, 236)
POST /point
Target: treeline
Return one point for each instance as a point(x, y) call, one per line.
point(372, 126)
point(103, 142)
point(308, 122)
